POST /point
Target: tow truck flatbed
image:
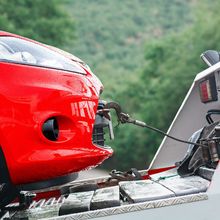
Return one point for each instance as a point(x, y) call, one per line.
point(163, 190)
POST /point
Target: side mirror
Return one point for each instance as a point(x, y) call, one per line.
point(210, 57)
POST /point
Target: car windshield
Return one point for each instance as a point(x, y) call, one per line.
point(21, 51)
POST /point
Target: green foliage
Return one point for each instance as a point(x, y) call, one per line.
point(171, 64)
point(42, 20)
point(111, 35)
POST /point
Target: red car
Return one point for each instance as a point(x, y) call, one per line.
point(49, 102)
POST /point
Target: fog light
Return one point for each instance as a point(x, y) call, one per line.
point(50, 129)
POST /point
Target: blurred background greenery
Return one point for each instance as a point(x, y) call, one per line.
point(146, 52)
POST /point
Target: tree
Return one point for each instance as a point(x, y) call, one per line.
point(41, 20)
point(171, 63)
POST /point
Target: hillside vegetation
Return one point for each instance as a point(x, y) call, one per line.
point(147, 54)
point(39, 19)
point(110, 35)
point(170, 66)
point(123, 43)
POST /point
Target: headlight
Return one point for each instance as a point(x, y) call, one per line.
point(21, 51)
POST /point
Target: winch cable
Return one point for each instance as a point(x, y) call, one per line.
point(125, 118)
point(143, 124)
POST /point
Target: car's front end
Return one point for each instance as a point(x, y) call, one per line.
point(48, 109)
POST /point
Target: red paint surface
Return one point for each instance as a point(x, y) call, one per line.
point(29, 95)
